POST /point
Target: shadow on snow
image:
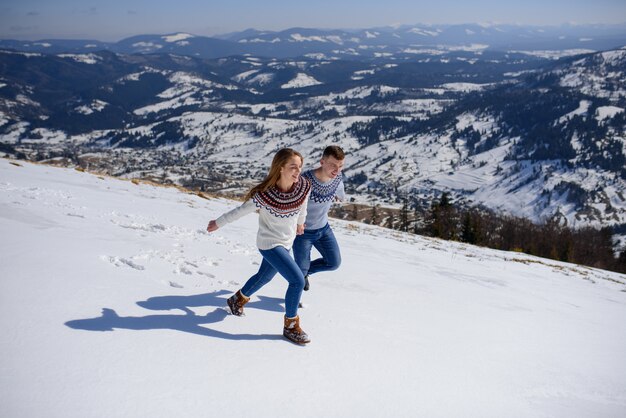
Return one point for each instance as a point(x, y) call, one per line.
point(189, 322)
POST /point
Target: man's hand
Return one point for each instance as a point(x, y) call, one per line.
point(300, 229)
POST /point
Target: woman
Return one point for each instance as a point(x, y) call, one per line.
point(282, 201)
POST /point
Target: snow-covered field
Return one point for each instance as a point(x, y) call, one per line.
point(111, 298)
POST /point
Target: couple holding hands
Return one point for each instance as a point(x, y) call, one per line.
point(293, 212)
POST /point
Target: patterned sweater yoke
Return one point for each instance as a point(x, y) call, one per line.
point(322, 192)
point(284, 204)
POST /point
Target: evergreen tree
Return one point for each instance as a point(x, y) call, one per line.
point(375, 216)
point(404, 216)
point(468, 232)
point(443, 218)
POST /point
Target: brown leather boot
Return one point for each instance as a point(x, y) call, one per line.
point(293, 332)
point(236, 302)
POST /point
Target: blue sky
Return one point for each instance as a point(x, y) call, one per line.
point(113, 20)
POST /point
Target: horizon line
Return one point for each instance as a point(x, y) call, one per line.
point(80, 37)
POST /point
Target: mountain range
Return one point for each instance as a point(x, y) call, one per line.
point(537, 133)
point(347, 44)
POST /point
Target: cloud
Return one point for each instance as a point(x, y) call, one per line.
point(32, 13)
point(132, 12)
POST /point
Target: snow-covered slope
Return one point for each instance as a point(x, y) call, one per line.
point(111, 305)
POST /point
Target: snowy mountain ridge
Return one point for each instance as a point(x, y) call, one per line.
point(365, 42)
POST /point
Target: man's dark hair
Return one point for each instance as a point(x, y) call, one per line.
point(334, 151)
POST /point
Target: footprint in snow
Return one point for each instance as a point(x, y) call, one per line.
point(75, 215)
point(122, 262)
point(229, 282)
point(182, 270)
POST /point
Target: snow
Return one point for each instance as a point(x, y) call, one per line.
point(320, 57)
point(131, 77)
point(604, 112)
point(147, 46)
point(83, 58)
point(23, 99)
point(176, 37)
point(571, 80)
point(335, 39)
point(556, 54)
point(357, 93)
point(470, 61)
point(474, 47)
point(94, 106)
point(262, 79)
point(186, 83)
point(48, 136)
point(478, 124)
point(613, 57)
point(186, 88)
point(257, 40)
point(418, 108)
point(25, 54)
point(424, 32)
point(242, 76)
point(186, 99)
point(296, 37)
point(301, 80)
point(112, 297)
point(604, 83)
point(258, 79)
point(347, 51)
point(361, 72)
point(464, 87)
point(428, 51)
point(583, 108)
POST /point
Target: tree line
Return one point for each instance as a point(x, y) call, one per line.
point(478, 226)
point(550, 239)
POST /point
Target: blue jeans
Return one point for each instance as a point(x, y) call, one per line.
point(324, 241)
point(278, 260)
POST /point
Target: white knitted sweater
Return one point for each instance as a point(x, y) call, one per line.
point(277, 222)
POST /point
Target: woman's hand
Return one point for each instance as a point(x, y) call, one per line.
point(212, 226)
point(300, 229)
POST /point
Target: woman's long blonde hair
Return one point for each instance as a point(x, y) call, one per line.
point(280, 160)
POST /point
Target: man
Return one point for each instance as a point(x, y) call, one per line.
point(326, 186)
